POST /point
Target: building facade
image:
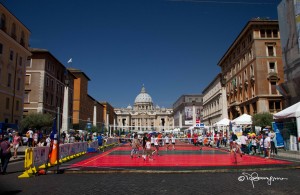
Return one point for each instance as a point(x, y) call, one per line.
point(214, 101)
point(86, 110)
point(188, 110)
point(144, 116)
point(14, 41)
point(289, 23)
point(252, 67)
point(45, 83)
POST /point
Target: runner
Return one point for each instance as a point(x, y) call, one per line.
point(156, 144)
point(173, 141)
point(236, 149)
point(167, 142)
point(200, 141)
point(148, 151)
point(135, 146)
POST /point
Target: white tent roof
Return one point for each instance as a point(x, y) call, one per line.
point(244, 119)
point(292, 111)
point(223, 122)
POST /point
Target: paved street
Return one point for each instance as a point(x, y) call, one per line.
point(236, 180)
point(148, 183)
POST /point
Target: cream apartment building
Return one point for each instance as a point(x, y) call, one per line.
point(252, 67)
point(14, 41)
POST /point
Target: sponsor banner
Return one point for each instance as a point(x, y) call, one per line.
point(40, 155)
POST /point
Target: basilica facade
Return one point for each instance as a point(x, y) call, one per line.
point(144, 115)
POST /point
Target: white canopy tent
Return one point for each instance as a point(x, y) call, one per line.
point(244, 119)
point(223, 122)
point(290, 112)
point(223, 125)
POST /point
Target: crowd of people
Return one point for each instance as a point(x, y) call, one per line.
point(263, 143)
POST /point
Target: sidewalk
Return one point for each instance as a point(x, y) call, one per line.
point(281, 154)
point(21, 154)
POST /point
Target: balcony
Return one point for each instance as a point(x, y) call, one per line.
point(246, 83)
point(273, 76)
point(241, 86)
point(252, 79)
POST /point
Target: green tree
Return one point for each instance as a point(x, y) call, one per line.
point(262, 119)
point(37, 120)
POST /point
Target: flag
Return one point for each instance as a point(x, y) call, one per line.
point(54, 129)
point(70, 60)
point(53, 145)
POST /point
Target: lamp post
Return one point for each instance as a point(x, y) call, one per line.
point(107, 121)
point(65, 119)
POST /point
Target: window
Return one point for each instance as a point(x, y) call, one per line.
point(273, 88)
point(46, 100)
point(13, 31)
point(7, 103)
point(3, 22)
point(22, 40)
point(269, 33)
point(274, 105)
point(262, 34)
point(270, 51)
point(27, 79)
point(26, 97)
point(51, 100)
point(8, 80)
point(17, 105)
point(47, 81)
point(11, 55)
point(272, 66)
point(275, 33)
point(18, 84)
point(20, 61)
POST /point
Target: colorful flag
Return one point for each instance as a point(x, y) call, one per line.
point(53, 145)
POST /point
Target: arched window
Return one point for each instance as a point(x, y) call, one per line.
point(3, 22)
point(13, 31)
point(22, 40)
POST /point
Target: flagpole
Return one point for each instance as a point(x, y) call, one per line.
point(58, 138)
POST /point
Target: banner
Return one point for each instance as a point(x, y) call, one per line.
point(279, 138)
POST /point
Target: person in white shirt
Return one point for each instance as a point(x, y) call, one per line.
point(148, 151)
point(167, 142)
point(156, 145)
point(48, 140)
point(30, 137)
point(244, 140)
point(200, 141)
point(173, 140)
point(267, 145)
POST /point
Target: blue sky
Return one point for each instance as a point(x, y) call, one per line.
point(170, 46)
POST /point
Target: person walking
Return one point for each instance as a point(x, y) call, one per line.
point(16, 143)
point(173, 141)
point(135, 146)
point(167, 141)
point(63, 136)
point(6, 154)
point(156, 144)
point(30, 137)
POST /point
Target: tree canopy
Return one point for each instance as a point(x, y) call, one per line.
point(262, 119)
point(37, 121)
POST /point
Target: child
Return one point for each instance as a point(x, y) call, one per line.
point(148, 151)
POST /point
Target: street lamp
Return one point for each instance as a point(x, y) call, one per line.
point(65, 120)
